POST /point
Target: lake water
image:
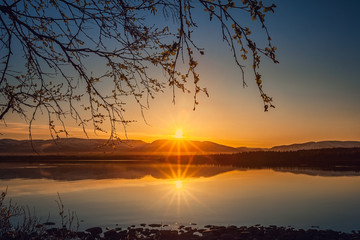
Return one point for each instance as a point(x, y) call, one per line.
point(126, 193)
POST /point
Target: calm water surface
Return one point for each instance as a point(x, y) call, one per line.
point(131, 193)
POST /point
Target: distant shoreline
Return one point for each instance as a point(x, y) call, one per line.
point(339, 159)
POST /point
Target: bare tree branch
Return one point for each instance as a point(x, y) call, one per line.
point(47, 49)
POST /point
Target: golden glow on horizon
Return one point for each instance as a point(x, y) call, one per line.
point(178, 134)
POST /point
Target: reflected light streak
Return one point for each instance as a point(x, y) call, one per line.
point(179, 191)
point(179, 173)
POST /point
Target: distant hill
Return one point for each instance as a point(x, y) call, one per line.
point(305, 146)
point(247, 149)
point(65, 146)
point(317, 145)
point(75, 146)
point(79, 146)
point(185, 146)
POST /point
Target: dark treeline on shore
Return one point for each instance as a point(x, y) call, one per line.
point(327, 159)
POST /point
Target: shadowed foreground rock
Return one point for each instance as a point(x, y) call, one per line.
point(158, 232)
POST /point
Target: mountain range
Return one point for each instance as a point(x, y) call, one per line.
point(76, 146)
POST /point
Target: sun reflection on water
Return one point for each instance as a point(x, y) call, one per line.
point(179, 192)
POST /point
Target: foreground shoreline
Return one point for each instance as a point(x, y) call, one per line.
point(159, 231)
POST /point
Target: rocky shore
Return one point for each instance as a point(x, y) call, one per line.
point(159, 231)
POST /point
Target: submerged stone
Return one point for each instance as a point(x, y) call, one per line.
point(155, 225)
point(111, 235)
point(94, 230)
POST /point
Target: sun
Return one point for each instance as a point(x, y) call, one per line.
point(178, 184)
point(178, 134)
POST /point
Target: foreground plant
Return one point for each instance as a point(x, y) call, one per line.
point(17, 222)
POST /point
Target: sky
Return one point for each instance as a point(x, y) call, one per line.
point(315, 86)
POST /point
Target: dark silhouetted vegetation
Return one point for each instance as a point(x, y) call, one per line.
point(327, 159)
point(18, 222)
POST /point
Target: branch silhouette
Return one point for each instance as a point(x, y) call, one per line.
point(48, 48)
